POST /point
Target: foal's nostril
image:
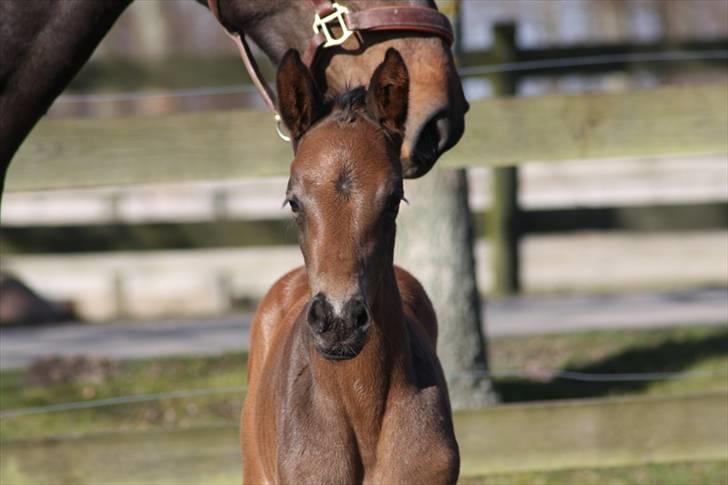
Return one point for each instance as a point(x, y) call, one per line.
point(319, 314)
point(358, 313)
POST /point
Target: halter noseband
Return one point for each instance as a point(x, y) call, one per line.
point(393, 18)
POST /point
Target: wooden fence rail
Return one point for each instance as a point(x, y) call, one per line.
point(72, 153)
point(504, 439)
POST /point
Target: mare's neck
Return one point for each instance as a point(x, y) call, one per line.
point(44, 46)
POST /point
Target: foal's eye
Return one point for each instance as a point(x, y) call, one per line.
point(295, 205)
point(393, 203)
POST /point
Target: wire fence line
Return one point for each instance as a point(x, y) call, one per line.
point(120, 400)
point(596, 60)
point(139, 95)
point(520, 66)
point(585, 377)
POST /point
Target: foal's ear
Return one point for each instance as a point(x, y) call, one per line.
point(299, 101)
point(388, 93)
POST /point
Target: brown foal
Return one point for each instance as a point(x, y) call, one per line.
point(343, 384)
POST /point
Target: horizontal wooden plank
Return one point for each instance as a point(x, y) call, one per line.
point(172, 233)
point(598, 433)
point(169, 283)
point(618, 52)
point(510, 438)
point(222, 145)
point(665, 121)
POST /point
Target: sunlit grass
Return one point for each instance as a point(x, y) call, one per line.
point(691, 473)
point(701, 349)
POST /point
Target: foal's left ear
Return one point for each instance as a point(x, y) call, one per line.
point(299, 101)
point(388, 93)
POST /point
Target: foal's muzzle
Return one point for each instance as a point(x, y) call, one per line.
point(338, 336)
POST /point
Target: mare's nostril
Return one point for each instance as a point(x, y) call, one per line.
point(443, 130)
point(359, 313)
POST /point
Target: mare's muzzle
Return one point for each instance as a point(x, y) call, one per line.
point(338, 336)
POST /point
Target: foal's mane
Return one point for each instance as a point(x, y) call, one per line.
point(345, 106)
point(348, 105)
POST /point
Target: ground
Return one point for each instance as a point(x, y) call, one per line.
point(188, 438)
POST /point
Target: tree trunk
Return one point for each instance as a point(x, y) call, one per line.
point(434, 242)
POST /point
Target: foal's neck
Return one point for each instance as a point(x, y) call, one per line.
point(360, 386)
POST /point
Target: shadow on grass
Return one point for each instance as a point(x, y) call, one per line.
point(668, 356)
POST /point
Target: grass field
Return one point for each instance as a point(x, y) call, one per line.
point(693, 473)
point(164, 424)
point(689, 349)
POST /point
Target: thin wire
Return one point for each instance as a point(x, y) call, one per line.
point(609, 377)
point(546, 374)
point(717, 54)
point(594, 61)
point(116, 401)
point(180, 93)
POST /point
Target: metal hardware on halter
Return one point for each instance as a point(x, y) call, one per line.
point(321, 25)
point(405, 18)
point(279, 128)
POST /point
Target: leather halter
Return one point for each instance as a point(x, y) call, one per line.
point(391, 18)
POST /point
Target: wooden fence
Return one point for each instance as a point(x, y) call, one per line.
point(688, 120)
point(73, 153)
point(503, 439)
point(501, 133)
point(512, 65)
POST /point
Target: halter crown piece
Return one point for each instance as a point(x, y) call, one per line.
point(327, 15)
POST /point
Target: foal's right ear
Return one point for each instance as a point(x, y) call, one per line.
point(299, 102)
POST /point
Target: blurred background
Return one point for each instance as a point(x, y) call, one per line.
point(125, 309)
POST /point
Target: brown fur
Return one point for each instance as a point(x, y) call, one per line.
point(382, 416)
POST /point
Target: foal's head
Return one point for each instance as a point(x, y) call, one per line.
point(344, 191)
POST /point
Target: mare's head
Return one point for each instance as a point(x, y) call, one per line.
point(344, 191)
point(437, 106)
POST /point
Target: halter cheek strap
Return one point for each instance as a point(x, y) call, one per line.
point(251, 66)
point(327, 14)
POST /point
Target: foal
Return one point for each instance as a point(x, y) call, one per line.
point(343, 384)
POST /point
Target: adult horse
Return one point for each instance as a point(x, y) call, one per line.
point(45, 42)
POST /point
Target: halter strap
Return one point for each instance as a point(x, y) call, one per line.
point(246, 55)
point(406, 18)
point(393, 18)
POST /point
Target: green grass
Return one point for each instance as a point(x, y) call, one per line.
point(692, 473)
point(702, 349)
point(136, 377)
point(194, 439)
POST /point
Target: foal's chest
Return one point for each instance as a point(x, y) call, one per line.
point(314, 448)
point(414, 444)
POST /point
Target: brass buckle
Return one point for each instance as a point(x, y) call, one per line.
point(321, 25)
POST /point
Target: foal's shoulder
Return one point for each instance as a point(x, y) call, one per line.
point(416, 304)
point(282, 303)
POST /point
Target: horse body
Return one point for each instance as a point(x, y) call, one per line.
point(45, 43)
point(344, 385)
point(373, 419)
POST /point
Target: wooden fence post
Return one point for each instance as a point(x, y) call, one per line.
point(503, 221)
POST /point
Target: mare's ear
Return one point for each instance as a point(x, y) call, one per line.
point(299, 102)
point(388, 93)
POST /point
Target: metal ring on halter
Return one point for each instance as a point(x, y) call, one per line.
point(279, 128)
